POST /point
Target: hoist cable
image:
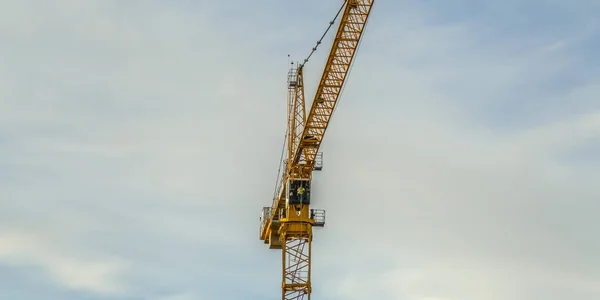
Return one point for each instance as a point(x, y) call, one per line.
point(324, 34)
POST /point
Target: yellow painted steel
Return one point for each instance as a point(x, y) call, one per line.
point(296, 112)
point(289, 226)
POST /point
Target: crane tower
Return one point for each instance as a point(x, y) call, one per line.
point(287, 224)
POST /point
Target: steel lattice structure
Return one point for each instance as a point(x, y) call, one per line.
point(288, 223)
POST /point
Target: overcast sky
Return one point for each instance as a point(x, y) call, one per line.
point(139, 141)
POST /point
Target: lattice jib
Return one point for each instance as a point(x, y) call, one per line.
point(333, 78)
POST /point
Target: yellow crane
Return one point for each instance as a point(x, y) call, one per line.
point(287, 224)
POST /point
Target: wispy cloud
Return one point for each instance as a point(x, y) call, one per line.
point(61, 264)
point(139, 141)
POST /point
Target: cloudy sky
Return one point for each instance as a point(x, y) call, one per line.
point(140, 139)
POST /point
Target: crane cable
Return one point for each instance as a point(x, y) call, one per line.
point(314, 49)
point(280, 165)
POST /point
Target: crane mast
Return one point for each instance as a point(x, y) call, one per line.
point(287, 224)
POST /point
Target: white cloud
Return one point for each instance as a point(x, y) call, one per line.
point(138, 143)
point(60, 264)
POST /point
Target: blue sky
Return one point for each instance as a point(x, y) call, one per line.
point(139, 141)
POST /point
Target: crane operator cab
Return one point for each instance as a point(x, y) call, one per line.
point(298, 191)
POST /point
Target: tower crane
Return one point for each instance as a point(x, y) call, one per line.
point(287, 224)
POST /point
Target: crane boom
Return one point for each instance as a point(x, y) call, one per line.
point(288, 223)
point(334, 74)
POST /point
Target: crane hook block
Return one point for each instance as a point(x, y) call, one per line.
point(298, 191)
